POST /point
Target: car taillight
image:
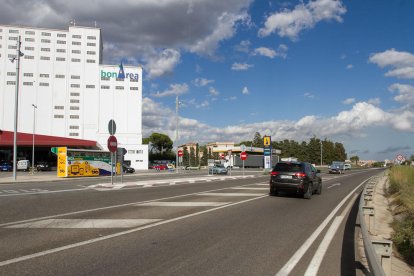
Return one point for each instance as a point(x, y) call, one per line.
point(300, 175)
point(274, 173)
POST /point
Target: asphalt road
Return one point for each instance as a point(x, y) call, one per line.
point(169, 226)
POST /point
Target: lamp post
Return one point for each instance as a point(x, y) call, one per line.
point(16, 104)
point(176, 132)
point(321, 153)
point(34, 129)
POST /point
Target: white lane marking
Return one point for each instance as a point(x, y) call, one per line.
point(323, 247)
point(74, 245)
point(250, 188)
point(40, 191)
point(333, 185)
point(85, 223)
point(229, 194)
point(184, 204)
point(288, 267)
point(108, 207)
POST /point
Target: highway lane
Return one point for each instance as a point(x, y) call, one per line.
point(212, 228)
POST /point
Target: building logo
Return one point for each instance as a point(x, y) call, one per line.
point(120, 75)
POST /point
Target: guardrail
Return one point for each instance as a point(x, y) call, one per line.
point(378, 252)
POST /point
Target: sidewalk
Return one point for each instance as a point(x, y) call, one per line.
point(383, 229)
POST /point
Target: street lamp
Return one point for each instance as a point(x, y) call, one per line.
point(34, 128)
point(176, 132)
point(321, 153)
point(16, 103)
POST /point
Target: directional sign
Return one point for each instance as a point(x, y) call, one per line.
point(180, 153)
point(112, 143)
point(243, 155)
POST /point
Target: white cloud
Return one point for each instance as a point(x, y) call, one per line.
point(162, 63)
point(401, 63)
point(175, 89)
point(309, 95)
point(243, 47)
point(349, 101)
point(213, 92)
point(352, 123)
point(245, 91)
point(240, 66)
point(270, 53)
point(405, 93)
point(374, 101)
point(202, 82)
point(290, 23)
point(349, 66)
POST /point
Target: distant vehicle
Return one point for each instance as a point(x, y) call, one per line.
point(299, 178)
point(347, 166)
point(23, 165)
point(337, 167)
point(160, 167)
point(43, 166)
point(127, 169)
point(6, 166)
point(217, 169)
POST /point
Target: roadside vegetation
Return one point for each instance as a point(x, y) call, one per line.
point(401, 191)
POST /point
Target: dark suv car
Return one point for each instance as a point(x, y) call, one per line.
point(295, 177)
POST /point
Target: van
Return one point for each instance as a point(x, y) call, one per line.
point(23, 165)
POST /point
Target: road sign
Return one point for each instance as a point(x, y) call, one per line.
point(180, 153)
point(222, 155)
point(112, 127)
point(243, 155)
point(267, 140)
point(112, 143)
point(267, 151)
point(400, 158)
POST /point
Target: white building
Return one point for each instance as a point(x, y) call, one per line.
point(61, 72)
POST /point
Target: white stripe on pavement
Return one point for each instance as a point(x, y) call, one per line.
point(85, 223)
point(184, 204)
point(229, 194)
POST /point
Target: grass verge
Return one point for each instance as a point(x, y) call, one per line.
point(401, 191)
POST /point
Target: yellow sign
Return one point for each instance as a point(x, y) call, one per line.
point(61, 167)
point(266, 141)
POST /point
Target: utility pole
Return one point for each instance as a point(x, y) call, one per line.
point(34, 129)
point(176, 132)
point(16, 105)
point(321, 153)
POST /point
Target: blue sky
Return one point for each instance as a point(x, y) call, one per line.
point(341, 70)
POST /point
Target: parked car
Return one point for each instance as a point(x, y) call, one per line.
point(6, 166)
point(127, 169)
point(347, 166)
point(337, 167)
point(300, 178)
point(217, 169)
point(23, 165)
point(43, 166)
point(161, 167)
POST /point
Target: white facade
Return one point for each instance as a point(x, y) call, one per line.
point(76, 96)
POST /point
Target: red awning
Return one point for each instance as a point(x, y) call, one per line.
point(26, 139)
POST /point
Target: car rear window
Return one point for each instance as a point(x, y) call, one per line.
point(288, 167)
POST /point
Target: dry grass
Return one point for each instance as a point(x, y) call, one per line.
point(402, 197)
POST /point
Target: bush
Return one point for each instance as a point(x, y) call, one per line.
point(402, 197)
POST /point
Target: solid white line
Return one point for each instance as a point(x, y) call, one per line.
point(184, 204)
point(288, 267)
point(44, 192)
point(323, 247)
point(85, 223)
point(229, 194)
point(59, 249)
point(250, 188)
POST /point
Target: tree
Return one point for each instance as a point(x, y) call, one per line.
point(257, 140)
point(192, 157)
point(354, 159)
point(197, 155)
point(161, 142)
point(186, 157)
point(204, 158)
